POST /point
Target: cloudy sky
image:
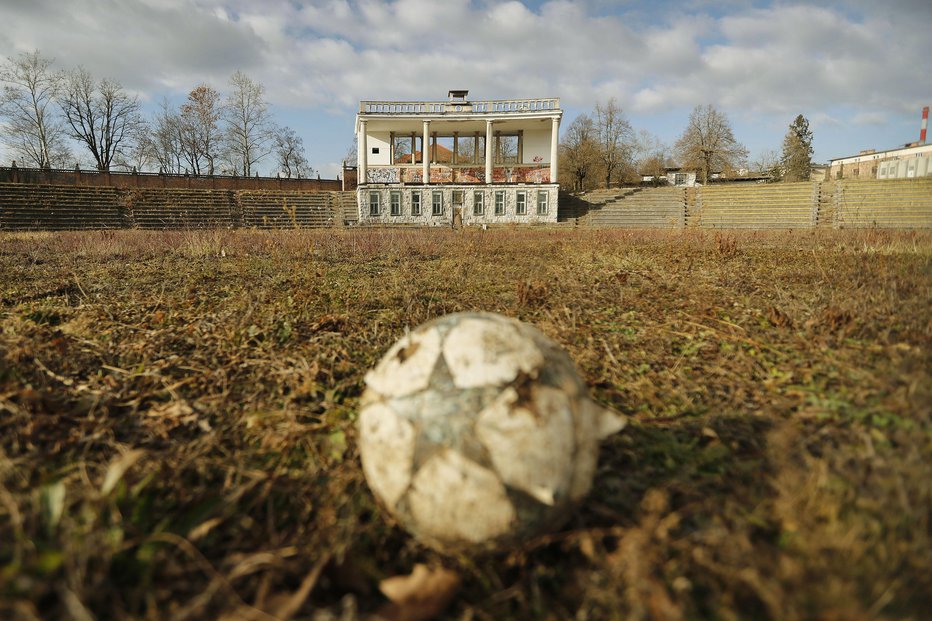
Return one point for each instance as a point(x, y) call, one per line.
point(858, 69)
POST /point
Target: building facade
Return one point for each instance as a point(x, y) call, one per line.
point(443, 163)
point(912, 160)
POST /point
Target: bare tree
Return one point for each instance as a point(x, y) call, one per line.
point(653, 155)
point(289, 149)
point(34, 131)
point(708, 143)
point(101, 115)
point(768, 162)
point(136, 154)
point(200, 140)
point(163, 140)
point(580, 151)
point(615, 138)
point(352, 152)
point(249, 129)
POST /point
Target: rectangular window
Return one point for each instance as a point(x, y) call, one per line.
point(415, 203)
point(395, 204)
point(542, 202)
point(373, 203)
point(500, 203)
point(443, 150)
point(478, 203)
point(679, 179)
point(521, 203)
point(437, 204)
point(466, 149)
point(401, 149)
point(507, 151)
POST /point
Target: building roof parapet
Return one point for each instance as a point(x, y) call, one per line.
point(549, 105)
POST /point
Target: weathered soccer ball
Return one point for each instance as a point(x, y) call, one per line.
point(476, 432)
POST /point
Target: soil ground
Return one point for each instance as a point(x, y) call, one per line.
point(177, 418)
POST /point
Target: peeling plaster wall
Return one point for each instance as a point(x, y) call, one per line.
point(466, 174)
point(469, 218)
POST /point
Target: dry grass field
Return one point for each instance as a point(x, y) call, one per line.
point(177, 419)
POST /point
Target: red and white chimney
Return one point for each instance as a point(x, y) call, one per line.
point(925, 122)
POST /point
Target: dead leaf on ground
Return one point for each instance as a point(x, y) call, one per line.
point(419, 596)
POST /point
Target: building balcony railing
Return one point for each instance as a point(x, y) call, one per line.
point(503, 106)
point(459, 173)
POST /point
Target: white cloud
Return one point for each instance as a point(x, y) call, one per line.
point(787, 57)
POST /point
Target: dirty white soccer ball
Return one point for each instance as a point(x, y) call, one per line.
point(476, 431)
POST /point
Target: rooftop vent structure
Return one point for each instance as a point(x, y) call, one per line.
point(458, 96)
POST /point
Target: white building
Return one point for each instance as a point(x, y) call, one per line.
point(912, 160)
point(486, 162)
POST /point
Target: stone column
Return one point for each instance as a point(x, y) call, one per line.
point(363, 174)
point(554, 149)
point(488, 151)
point(425, 153)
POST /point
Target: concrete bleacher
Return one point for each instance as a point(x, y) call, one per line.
point(59, 208)
point(892, 203)
point(269, 209)
point(572, 208)
point(637, 208)
point(896, 203)
point(759, 206)
point(347, 210)
point(180, 208)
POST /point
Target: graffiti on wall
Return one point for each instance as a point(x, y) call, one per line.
point(466, 174)
point(441, 174)
point(385, 174)
point(470, 175)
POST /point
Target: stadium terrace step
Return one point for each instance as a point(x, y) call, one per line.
point(269, 209)
point(26, 207)
point(640, 208)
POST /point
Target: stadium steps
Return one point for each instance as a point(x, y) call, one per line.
point(59, 208)
point(638, 208)
point(271, 209)
point(825, 218)
point(572, 209)
point(346, 209)
point(162, 208)
point(892, 203)
point(770, 206)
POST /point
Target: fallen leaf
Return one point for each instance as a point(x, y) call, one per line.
point(419, 596)
point(118, 468)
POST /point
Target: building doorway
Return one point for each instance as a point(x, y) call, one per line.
point(458, 208)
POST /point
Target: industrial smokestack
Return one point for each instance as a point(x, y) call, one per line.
point(925, 122)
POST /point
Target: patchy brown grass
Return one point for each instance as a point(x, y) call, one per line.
point(177, 421)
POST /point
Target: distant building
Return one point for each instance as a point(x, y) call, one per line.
point(674, 175)
point(911, 160)
point(486, 162)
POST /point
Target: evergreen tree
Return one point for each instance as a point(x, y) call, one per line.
point(797, 151)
